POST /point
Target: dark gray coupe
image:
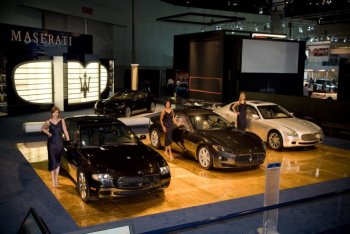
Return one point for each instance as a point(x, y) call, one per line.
point(211, 140)
point(125, 103)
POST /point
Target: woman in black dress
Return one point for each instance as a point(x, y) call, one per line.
point(167, 118)
point(53, 128)
point(241, 113)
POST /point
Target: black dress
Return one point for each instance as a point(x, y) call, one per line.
point(168, 124)
point(242, 117)
point(55, 145)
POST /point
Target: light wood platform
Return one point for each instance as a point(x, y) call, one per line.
point(191, 185)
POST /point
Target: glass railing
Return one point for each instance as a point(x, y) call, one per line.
point(326, 213)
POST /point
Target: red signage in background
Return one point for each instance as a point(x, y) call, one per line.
point(87, 10)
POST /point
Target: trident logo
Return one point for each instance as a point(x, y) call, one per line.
point(84, 87)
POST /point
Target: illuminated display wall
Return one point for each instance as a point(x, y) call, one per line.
point(83, 83)
point(33, 82)
point(33, 69)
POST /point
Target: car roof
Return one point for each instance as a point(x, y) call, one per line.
point(259, 103)
point(93, 119)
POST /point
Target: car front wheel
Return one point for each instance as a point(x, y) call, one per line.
point(83, 187)
point(275, 140)
point(205, 158)
point(155, 138)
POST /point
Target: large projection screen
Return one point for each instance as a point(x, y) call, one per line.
point(264, 56)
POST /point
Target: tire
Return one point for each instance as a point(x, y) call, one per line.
point(275, 140)
point(83, 186)
point(154, 137)
point(127, 111)
point(152, 107)
point(205, 157)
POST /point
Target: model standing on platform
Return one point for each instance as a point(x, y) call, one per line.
point(167, 118)
point(53, 128)
point(241, 113)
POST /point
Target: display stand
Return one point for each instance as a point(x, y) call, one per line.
point(272, 190)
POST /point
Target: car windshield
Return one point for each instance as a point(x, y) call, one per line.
point(108, 134)
point(124, 95)
point(209, 122)
point(274, 112)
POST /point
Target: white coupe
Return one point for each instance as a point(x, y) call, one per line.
point(275, 125)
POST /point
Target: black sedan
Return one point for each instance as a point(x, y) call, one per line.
point(125, 103)
point(211, 140)
point(106, 159)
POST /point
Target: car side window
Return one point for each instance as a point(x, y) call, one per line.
point(250, 111)
point(181, 121)
point(71, 128)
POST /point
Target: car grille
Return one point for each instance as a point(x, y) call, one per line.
point(250, 158)
point(310, 137)
point(137, 182)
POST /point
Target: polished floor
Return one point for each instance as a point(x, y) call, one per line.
point(191, 185)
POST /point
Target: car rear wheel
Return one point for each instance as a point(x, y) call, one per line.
point(205, 158)
point(83, 187)
point(155, 138)
point(152, 107)
point(275, 140)
point(127, 111)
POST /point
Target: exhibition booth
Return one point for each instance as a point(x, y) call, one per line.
point(41, 68)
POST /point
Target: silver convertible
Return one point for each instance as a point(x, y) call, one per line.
point(275, 125)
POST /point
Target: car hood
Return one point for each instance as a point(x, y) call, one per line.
point(296, 124)
point(124, 159)
point(233, 139)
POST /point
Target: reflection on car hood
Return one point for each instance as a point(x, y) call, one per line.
point(125, 159)
point(296, 124)
point(233, 139)
point(117, 100)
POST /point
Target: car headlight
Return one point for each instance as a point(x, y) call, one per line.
point(220, 148)
point(102, 177)
point(291, 133)
point(120, 106)
point(320, 134)
point(164, 170)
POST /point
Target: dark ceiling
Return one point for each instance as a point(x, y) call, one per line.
point(323, 11)
point(246, 6)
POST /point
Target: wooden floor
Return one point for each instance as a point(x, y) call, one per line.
point(191, 185)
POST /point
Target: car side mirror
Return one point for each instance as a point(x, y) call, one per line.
point(255, 116)
point(142, 137)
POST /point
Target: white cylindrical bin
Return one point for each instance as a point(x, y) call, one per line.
point(134, 76)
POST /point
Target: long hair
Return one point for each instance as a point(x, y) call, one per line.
point(240, 100)
point(54, 109)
